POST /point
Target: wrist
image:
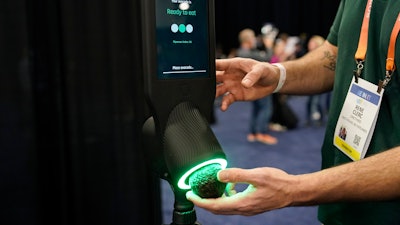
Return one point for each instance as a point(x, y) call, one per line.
point(282, 77)
point(304, 190)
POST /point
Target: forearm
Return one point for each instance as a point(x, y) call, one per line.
point(312, 73)
point(375, 178)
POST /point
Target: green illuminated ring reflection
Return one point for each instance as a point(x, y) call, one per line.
point(182, 181)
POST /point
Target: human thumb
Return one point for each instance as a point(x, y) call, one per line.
point(232, 175)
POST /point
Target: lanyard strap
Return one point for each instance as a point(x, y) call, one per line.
point(390, 66)
point(392, 46)
point(361, 52)
point(363, 41)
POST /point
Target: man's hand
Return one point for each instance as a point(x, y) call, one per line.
point(243, 79)
point(268, 189)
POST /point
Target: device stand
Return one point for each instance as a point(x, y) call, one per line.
point(184, 212)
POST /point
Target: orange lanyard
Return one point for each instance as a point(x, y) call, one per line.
point(390, 66)
point(363, 41)
point(361, 52)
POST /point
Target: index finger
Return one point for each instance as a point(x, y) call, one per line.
point(221, 64)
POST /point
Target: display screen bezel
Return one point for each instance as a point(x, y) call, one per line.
point(183, 54)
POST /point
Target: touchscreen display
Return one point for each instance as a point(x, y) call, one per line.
point(182, 38)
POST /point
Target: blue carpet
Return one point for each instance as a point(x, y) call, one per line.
point(298, 151)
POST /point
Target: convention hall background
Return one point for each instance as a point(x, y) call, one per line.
point(71, 104)
point(313, 17)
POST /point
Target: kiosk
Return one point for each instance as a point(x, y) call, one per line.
point(179, 85)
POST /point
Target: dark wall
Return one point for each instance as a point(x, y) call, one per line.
point(70, 113)
point(290, 16)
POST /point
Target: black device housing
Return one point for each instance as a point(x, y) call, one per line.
point(163, 95)
point(177, 134)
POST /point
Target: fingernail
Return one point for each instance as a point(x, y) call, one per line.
point(188, 194)
point(221, 177)
point(246, 82)
point(224, 106)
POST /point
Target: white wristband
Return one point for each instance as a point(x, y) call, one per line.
point(282, 76)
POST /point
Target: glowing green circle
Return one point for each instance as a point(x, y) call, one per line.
point(182, 181)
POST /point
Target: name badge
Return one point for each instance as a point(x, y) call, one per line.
point(357, 120)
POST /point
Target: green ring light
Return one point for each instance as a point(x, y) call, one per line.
point(182, 183)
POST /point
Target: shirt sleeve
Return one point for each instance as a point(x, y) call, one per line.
point(334, 30)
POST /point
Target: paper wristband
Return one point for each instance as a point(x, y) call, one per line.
point(282, 76)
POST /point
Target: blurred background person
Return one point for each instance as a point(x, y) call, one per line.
point(267, 38)
point(315, 110)
point(262, 108)
point(283, 117)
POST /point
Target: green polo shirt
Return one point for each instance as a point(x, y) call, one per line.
point(345, 33)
